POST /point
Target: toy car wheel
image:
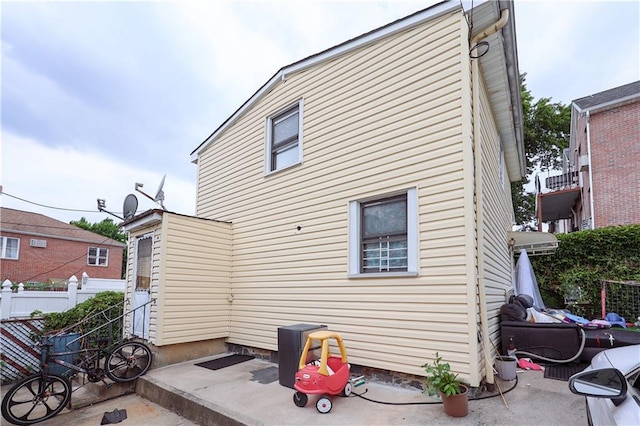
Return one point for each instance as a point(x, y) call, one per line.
point(347, 389)
point(323, 405)
point(300, 399)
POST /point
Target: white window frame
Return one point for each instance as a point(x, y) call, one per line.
point(355, 252)
point(270, 121)
point(3, 248)
point(99, 251)
point(148, 236)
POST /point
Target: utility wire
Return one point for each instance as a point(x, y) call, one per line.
point(4, 222)
point(49, 207)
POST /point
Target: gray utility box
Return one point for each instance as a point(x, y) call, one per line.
point(291, 340)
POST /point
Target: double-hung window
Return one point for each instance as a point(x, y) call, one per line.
point(383, 235)
point(98, 256)
point(284, 138)
point(9, 247)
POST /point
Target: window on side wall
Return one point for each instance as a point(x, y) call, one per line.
point(284, 138)
point(10, 248)
point(98, 256)
point(383, 236)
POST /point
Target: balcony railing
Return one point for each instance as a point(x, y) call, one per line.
point(563, 181)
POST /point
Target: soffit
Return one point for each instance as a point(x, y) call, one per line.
point(535, 243)
point(501, 75)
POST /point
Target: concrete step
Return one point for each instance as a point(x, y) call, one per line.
point(187, 405)
point(93, 393)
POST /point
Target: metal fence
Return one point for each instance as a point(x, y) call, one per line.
point(18, 356)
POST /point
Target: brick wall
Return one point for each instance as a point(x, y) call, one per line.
point(615, 146)
point(59, 260)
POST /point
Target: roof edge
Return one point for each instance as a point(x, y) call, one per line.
point(607, 105)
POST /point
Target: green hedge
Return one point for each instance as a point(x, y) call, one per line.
point(584, 259)
point(95, 318)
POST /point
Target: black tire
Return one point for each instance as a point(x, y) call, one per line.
point(128, 361)
point(36, 398)
point(300, 399)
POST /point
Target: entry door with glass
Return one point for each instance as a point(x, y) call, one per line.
point(142, 285)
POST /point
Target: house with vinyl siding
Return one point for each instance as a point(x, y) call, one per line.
point(367, 188)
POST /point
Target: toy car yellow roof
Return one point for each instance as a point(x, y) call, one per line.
point(323, 336)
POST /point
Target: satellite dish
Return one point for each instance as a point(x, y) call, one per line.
point(159, 198)
point(160, 193)
point(130, 206)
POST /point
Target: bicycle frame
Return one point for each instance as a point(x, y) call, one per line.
point(48, 357)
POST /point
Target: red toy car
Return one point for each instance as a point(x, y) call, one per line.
point(327, 376)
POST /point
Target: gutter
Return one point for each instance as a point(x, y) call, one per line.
point(591, 206)
point(484, 320)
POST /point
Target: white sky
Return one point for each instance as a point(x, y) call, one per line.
point(97, 96)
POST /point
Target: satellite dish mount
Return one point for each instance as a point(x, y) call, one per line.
point(159, 197)
point(102, 207)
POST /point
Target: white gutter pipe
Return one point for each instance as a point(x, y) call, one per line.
point(593, 213)
point(484, 319)
point(491, 29)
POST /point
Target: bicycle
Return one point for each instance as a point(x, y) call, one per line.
point(43, 395)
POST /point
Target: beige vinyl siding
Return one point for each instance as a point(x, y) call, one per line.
point(194, 289)
point(377, 120)
point(497, 217)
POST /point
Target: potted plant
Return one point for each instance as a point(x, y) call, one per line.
point(440, 380)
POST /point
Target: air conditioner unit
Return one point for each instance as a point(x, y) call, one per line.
point(583, 161)
point(38, 243)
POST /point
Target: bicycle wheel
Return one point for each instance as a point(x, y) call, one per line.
point(36, 398)
point(128, 361)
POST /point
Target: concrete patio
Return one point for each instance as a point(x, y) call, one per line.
point(249, 393)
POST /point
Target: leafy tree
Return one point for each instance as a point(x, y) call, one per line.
point(108, 229)
point(546, 134)
point(105, 228)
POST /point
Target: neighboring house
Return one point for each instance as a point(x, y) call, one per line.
point(367, 188)
point(37, 248)
point(600, 185)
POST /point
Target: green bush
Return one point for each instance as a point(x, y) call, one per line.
point(584, 259)
point(97, 317)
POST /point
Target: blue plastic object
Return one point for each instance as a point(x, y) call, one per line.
point(616, 319)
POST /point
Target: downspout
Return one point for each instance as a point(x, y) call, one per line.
point(593, 213)
point(484, 319)
point(491, 29)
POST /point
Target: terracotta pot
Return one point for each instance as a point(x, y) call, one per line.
point(456, 405)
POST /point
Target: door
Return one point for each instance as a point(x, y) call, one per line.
point(142, 286)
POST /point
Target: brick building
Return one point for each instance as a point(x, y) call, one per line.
point(600, 185)
point(37, 248)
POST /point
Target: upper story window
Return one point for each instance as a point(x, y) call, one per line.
point(10, 248)
point(98, 256)
point(284, 138)
point(383, 235)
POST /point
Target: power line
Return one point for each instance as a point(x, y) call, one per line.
point(50, 207)
point(68, 227)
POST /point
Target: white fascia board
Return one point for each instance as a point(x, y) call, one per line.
point(432, 12)
point(145, 221)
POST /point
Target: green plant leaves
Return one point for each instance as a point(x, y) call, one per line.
point(583, 260)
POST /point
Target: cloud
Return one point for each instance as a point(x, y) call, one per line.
point(574, 49)
point(66, 178)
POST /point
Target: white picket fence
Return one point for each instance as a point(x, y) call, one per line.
point(23, 303)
